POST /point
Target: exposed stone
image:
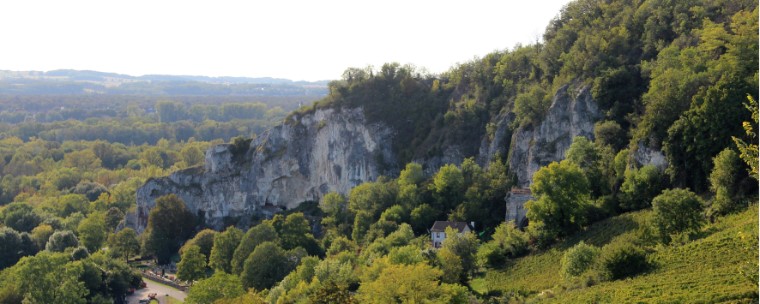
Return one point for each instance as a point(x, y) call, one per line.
point(516, 211)
point(301, 160)
point(571, 114)
point(647, 156)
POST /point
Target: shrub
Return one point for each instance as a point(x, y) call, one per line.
point(578, 259)
point(724, 182)
point(639, 187)
point(622, 260)
point(677, 211)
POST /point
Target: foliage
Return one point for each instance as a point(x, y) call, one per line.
point(265, 266)
point(60, 240)
point(677, 211)
point(124, 243)
point(622, 260)
point(258, 234)
point(725, 182)
point(204, 239)
point(749, 151)
point(20, 217)
point(13, 246)
point(295, 231)
point(561, 198)
point(459, 249)
point(169, 225)
point(507, 242)
point(578, 259)
point(223, 249)
point(48, 278)
point(92, 232)
point(640, 187)
point(192, 266)
point(404, 283)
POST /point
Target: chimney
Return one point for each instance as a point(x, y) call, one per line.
point(472, 225)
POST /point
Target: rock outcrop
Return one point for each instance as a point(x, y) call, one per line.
point(572, 113)
point(300, 160)
point(336, 149)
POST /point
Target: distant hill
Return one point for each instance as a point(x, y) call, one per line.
point(94, 82)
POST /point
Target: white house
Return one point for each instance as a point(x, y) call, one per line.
point(438, 232)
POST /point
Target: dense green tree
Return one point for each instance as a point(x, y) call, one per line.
point(13, 246)
point(169, 225)
point(448, 186)
point(113, 217)
point(218, 286)
point(677, 211)
point(192, 266)
point(464, 246)
point(41, 234)
point(92, 232)
point(204, 239)
point(725, 182)
point(507, 242)
point(124, 243)
point(561, 201)
point(60, 240)
point(423, 217)
point(337, 216)
point(20, 217)
point(224, 247)
point(49, 278)
point(295, 231)
point(265, 266)
point(258, 234)
point(640, 187)
point(371, 197)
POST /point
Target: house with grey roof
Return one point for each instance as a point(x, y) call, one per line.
point(438, 231)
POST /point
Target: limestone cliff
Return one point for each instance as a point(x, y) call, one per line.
point(335, 149)
point(300, 160)
point(572, 113)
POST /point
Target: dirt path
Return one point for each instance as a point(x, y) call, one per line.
point(161, 289)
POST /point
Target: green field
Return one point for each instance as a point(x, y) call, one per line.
point(706, 270)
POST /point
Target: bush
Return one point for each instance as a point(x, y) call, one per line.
point(677, 211)
point(622, 260)
point(639, 187)
point(578, 259)
point(491, 255)
point(724, 182)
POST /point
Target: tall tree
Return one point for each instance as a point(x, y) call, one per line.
point(561, 201)
point(169, 225)
point(192, 266)
point(266, 265)
point(124, 243)
point(258, 234)
point(92, 232)
point(224, 247)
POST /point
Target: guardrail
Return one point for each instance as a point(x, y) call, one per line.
point(164, 281)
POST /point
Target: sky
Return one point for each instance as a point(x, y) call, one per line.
point(293, 39)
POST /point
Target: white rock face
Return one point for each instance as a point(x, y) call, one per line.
point(329, 150)
point(571, 114)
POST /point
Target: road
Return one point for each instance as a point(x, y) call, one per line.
point(161, 289)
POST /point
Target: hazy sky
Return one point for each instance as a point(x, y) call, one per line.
point(299, 40)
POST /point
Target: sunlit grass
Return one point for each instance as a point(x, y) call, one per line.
point(705, 270)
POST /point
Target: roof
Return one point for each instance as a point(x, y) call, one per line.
point(520, 191)
point(440, 226)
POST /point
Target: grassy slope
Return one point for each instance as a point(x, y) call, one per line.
point(706, 270)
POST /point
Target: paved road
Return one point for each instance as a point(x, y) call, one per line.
point(161, 289)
